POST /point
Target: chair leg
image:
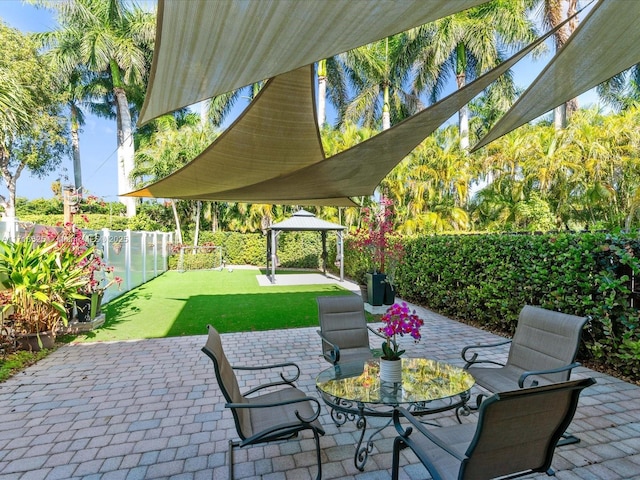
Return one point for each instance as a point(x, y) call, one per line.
point(567, 439)
point(317, 438)
point(231, 445)
point(398, 445)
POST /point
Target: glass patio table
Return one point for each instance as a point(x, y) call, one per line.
point(353, 392)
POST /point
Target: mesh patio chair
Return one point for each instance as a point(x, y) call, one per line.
point(344, 329)
point(516, 435)
point(276, 415)
point(543, 351)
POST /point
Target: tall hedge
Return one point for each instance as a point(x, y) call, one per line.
point(295, 249)
point(486, 279)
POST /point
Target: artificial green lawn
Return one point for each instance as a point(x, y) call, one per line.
point(177, 304)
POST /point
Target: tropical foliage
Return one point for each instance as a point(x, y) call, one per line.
point(32, 135)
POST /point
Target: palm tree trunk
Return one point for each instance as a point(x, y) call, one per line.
point(197, 232)
point(9, 204)
point(322, 92)
point(461, 81)
point(75, 147)
point(177, 220)
point(463, 118)
point(126, 149)
point(386, 115)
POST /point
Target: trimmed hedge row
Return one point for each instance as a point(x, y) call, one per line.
point(486, 279)
point(295, 249)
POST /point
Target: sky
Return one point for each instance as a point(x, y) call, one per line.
point(98, 144)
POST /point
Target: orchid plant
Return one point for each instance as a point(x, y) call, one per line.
point(399, 320)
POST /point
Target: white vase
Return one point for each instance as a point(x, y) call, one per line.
point(391, 371)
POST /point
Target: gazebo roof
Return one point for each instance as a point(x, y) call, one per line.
point(305, 221)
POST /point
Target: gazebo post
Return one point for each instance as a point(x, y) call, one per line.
point(341, 254)
point(273, 256)
point(323, 234)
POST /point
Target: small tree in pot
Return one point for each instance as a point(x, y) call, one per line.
point(381, 249)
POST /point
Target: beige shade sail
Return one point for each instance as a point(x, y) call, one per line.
point(205, 48)
point(358, 170)
point(276, 135)
point(283, 178)
point(605, 43)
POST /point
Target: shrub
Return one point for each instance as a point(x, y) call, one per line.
point(487, 279)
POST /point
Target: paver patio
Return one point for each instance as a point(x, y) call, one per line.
point(152, 409)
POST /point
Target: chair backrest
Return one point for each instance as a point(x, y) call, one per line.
point(544, 340)
point(519, 430)
point(342, 321)
point(227, 382)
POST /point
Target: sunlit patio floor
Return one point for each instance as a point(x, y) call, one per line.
point(152, 409)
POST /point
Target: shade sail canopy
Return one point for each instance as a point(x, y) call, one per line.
point(605, 43)
point(275, 136)
point(305, 221)
point(284, 178)
point(205, 48)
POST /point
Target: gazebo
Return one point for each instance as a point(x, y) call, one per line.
point(304, 221)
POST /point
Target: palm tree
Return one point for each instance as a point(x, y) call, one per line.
point(378, 74)
point(176, 142)
point(622, 91)
point(465, 45)
point(553, 13)
point(113, 39)
point(332, 83)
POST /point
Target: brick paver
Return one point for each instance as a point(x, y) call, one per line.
point(152, 409)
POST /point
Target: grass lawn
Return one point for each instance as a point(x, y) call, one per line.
point(177, 304)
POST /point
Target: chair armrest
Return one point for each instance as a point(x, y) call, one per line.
point(316, 407)
point(286, 380)
point(334, 353)
point(473, 359)
point(404, 433)
point(534, 383)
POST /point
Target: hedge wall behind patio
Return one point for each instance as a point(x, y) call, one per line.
point(486, 279)
point(295, 249)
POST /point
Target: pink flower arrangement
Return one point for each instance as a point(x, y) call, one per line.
point(399, 320)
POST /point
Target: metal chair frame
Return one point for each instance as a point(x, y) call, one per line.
point(290, 427)
point(487, 451)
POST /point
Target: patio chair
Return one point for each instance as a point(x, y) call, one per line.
point(543, 350)
point(516, 435)
point(344, 329)
point(277, 415)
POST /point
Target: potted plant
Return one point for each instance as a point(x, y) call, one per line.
point(382, 249)
point(398, 320)
point(41, 278)
point(99, 276)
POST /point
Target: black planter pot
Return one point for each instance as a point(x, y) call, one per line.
point(83, 310)
point(88, 309)
point(376, 286)
point(389, 294)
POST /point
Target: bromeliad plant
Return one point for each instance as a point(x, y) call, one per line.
point(399, 320)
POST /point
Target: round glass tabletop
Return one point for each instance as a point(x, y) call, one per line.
point(423, 380)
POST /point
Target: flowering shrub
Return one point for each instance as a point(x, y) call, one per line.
point(377, 239)
point(399, 320)
point(75, 248)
